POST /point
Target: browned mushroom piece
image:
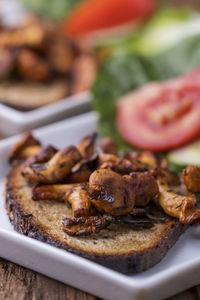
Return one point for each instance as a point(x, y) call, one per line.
point(26, 140)
point(131, 155)
point(108, 145)
point(179, 206)
point(111, 193)
point(75, 195)
point(166, 175)
point(87, 145)
point(82, 170)
point(31, 20)
point(29, 151)
point(84, 226)
point(84, 71)
point(152, 159)
point(122, 166)
point(32, 67)
point(79, 176)
point(106, 157)
point(41, 156)
point(118, 164)
point(27, 36)
point(79, 200)
point(55, 192)
point(7, 63)
point(145, 188)
point(191, 178)
point(56, 169)
point(61, 55)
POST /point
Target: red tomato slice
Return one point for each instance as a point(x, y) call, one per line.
point(161, 116)
point(92, 15)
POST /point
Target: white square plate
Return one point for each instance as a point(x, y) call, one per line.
point(179, 270)
point(13, 121)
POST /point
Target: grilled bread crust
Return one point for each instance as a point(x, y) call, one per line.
point(119, 247)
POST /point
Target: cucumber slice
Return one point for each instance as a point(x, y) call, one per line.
point(188, 155)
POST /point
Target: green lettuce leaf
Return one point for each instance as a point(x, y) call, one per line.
point(125, 72)
point(167, 27)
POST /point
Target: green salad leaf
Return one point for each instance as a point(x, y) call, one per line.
point(124, 72)
point(162, 31)
point(54, 9)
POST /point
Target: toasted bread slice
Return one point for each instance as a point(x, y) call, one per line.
point(27, 96)
point(120, 247)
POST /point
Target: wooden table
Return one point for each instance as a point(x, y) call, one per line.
point(18, 283)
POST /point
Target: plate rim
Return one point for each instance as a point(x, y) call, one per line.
point(66, 103)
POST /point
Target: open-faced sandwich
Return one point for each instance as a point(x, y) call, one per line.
point(38, 65)
point(122, 211)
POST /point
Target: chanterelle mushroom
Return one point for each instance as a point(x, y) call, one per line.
point(55, 192)
point(86, 146)
point(117, 164)
point(108, 145)
point(103, 188)
point(44, 155)
point(179, 206)
point(111, 192)
point(55, 169)
point(145, 188)
point(80, 201)
point(84, 225)
point(153, 160)
point(26, 140)
point(191, 178)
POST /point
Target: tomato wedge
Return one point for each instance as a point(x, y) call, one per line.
point(91, 15)
point(161, 116)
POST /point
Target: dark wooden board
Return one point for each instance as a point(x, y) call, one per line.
point(20, 283)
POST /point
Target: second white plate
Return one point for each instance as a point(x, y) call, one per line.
point(13, 121)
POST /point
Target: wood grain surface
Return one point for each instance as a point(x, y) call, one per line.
point(18, 283)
